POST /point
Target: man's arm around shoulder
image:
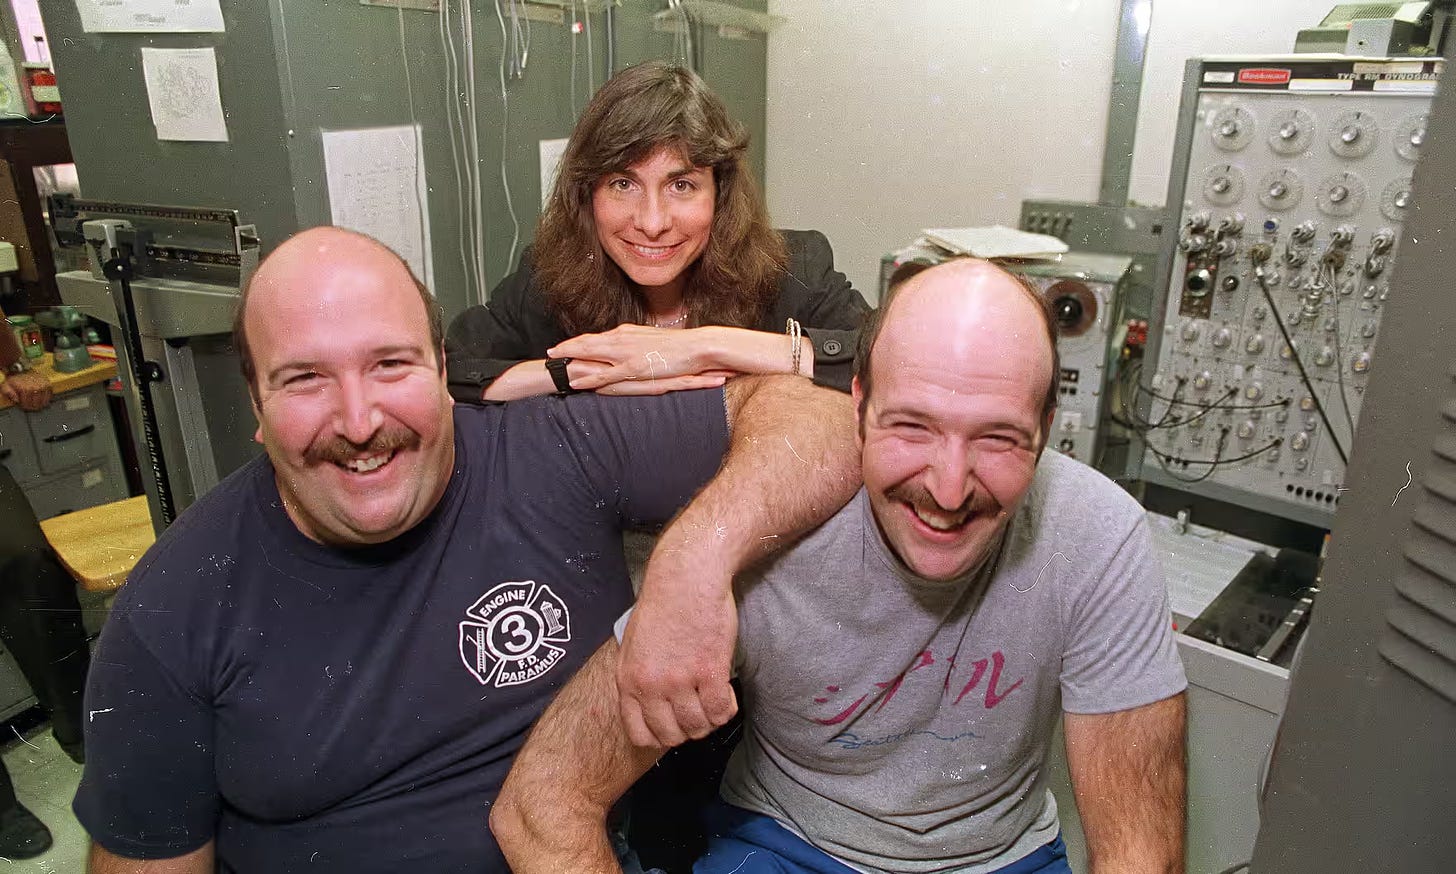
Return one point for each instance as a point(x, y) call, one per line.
point(1129, 774)
point(792, 462)
point(199, 861)
point(551, 814)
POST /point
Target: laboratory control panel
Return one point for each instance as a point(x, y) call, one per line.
point(1292, 183)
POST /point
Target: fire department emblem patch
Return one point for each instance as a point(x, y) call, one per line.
point(510, 635)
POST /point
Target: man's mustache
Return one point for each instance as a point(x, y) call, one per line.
point(919, 497)
point(338, 450)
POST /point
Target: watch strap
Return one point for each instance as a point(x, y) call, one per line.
point(557, 368)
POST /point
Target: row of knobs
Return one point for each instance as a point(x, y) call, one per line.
point(1223, 337)
point(1352, 135)
point(1249, 428)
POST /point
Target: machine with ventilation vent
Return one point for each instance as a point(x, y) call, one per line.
point(1362, 777)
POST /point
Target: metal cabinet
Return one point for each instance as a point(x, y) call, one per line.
point(64, 458)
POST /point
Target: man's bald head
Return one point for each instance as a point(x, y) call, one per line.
point(948, 304)
point(302, 261)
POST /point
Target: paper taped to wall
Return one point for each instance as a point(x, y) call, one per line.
point(183, 92)
point(150, 16)
point(551, 152)
point(376, 180)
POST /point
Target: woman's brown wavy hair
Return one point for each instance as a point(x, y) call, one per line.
point(639, 110)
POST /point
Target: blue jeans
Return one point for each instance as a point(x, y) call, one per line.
point(740, 842)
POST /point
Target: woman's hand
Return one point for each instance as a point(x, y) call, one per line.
point(597, 371)
point(636, 359)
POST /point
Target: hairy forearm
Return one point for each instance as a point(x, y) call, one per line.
point(1129, 773)
point(551, 814)
point(793, 461)
point(757, 352)
point(103, 861)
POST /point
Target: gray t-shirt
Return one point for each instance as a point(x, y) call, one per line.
point(900, 724)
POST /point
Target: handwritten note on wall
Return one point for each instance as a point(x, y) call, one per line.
point(376, 180)
point(183, 92)
point(551, 152)
point(150, 16)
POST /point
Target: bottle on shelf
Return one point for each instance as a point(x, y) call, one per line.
point(42, 96)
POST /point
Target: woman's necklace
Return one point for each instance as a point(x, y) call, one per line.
point(672, 324)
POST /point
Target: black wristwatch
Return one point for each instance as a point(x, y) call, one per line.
point(557, 368)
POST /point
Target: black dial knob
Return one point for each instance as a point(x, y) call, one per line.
point(1068, 311)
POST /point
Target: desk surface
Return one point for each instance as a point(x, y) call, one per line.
point(101, 545)
point(101, 371)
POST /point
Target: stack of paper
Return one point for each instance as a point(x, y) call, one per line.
point(996, 241)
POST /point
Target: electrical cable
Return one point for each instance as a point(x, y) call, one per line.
point(1163, 460)
point(477, 201)
point(454, 121)
point(591, 72)
point(1235, 869)
point(419, 147)
point(1172, 402)
point(526, 51)
point(505, 142)
point(1340, 352)
point(1259, 277)
point(1178, 423)
point(688, 25)
point(1218, 460)
point(572, 27)
point(1283, 402)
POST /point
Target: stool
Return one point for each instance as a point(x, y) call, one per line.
point(99, 546)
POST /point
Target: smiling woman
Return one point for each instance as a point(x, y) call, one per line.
point(655, 267)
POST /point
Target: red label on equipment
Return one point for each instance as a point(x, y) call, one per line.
point(1263, 76)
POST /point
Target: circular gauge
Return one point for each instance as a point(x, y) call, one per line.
point(1354, 134)
point(1223, 184)
point(1232, 128)
point(1280, 189)
point(1396, 200)
point(1341, 194)
point(1074, 305)
point(1410, 137)
point(1291, 132)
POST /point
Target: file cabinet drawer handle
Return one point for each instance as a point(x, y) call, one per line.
point(70, 435)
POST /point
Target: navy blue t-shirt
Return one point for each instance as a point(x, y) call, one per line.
point(322, 710)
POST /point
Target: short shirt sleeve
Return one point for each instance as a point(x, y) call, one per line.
point(646, 456)
point(1122, 651)
point(149, 789)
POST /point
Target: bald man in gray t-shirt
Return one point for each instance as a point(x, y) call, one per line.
point(902, 724)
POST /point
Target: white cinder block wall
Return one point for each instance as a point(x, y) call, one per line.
point(884, 118)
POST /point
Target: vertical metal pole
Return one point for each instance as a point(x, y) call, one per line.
point(1122, 108)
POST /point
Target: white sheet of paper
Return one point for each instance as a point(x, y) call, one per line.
point(150, 16)
point(376, 182)
point(183, 92)
point(995, 241)
point(551, 152)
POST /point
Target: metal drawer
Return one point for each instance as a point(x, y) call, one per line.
point(93, 484)
point(16, 450)
point(72, 430)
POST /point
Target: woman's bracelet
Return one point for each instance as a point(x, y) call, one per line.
point(796, 346)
